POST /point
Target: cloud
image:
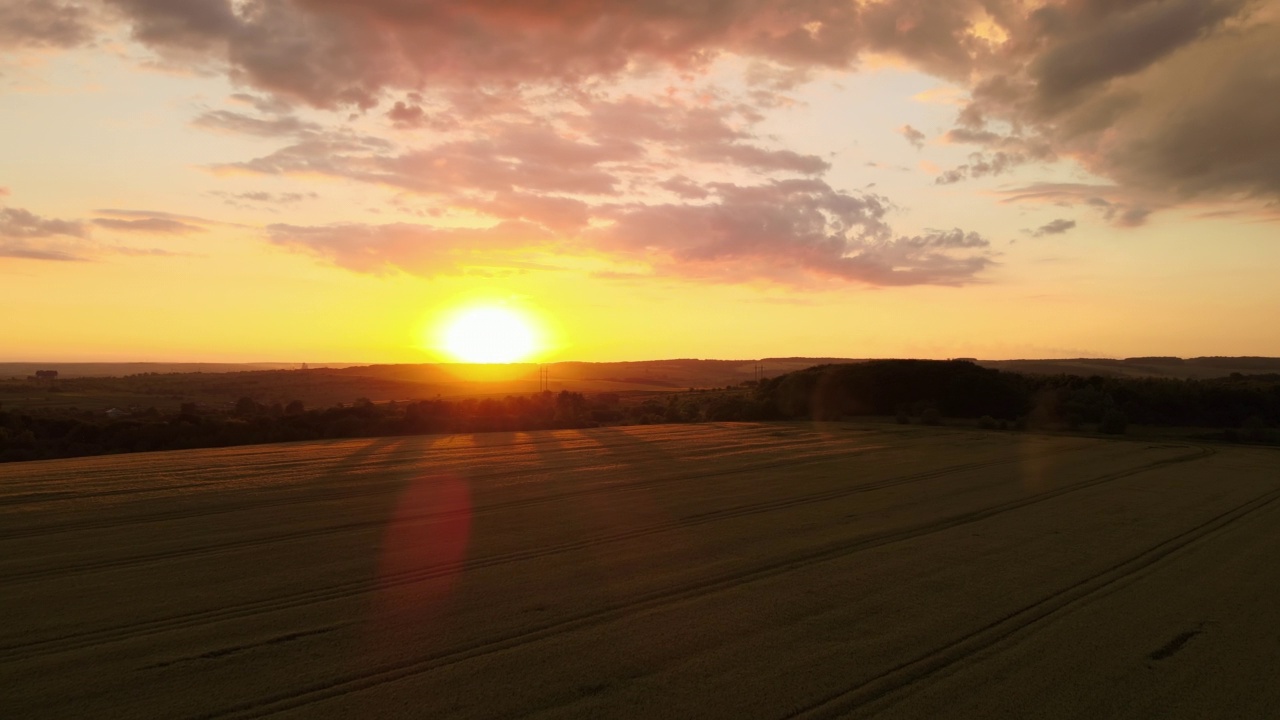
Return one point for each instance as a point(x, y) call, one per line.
point(16, 223)
point(345, 52)
point(1054, 227)
point(684, 188)
point(981, 165)
point(528, 122)
point(1102, 83)
point(24, 234)
point(153, 214)
point(1174, 99)
point(262, 197)
point(791, 232)
point(416, 249)
point(1119, 42)
point(153, 225)
point(913, 136)
point(240, 123)
point(1123, 207)
point(44, 23)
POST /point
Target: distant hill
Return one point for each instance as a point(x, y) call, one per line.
point(99, 386)
point(121, 369)
point(680, 372)
point(1161, 367)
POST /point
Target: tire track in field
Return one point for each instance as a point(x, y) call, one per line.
point(360, 492)
point(260, 462)
point(652, 600)
point(55, 495)
point(877, 693)
point(232, 545)
point(348, 589)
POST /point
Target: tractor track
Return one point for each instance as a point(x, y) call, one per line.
point(879, 692)
point(352, 588)
point(387, 487)
point(235, 545)
point(653, 600)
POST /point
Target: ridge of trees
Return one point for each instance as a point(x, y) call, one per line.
point(1239, 408)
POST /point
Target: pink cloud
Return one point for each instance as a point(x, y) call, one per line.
point(518, 118)
point(791, 232)
point(416, 249)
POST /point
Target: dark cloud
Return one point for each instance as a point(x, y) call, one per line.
point(44, 23)
point(913, 136)
point(152, 225)
point(1124, 43)
point(1054, 227)
point(1172, 99)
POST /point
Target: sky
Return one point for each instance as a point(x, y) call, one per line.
point(332, 180)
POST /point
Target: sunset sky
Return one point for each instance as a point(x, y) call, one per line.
point(331, 180)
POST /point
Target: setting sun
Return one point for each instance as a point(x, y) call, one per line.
point(489, 335)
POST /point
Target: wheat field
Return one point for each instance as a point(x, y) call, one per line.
point(715, 570)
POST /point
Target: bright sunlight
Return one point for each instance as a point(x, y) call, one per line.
point(489, 335)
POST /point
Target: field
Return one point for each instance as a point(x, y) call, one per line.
point(711, 570)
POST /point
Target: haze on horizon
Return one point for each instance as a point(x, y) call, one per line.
point(275, 180)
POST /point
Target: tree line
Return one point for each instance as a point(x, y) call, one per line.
point(1238, 408)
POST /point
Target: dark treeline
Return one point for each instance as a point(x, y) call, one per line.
point(1247, 404)
point(69, 433)
point(1242, 408)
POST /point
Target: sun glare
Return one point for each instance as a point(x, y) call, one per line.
point(489, 335)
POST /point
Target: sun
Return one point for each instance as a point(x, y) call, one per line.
point(489, 335)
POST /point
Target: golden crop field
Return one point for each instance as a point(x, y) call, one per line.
point(717, 570)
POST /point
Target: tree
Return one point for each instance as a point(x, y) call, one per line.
point(1113, 422)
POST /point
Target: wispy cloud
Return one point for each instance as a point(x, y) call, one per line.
point(1053, 227)
point(913, 136)
point(26, 235)
point(150, 225)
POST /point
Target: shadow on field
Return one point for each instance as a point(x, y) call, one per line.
point(342, 467)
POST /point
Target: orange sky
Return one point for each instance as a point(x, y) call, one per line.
point(332, 181)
